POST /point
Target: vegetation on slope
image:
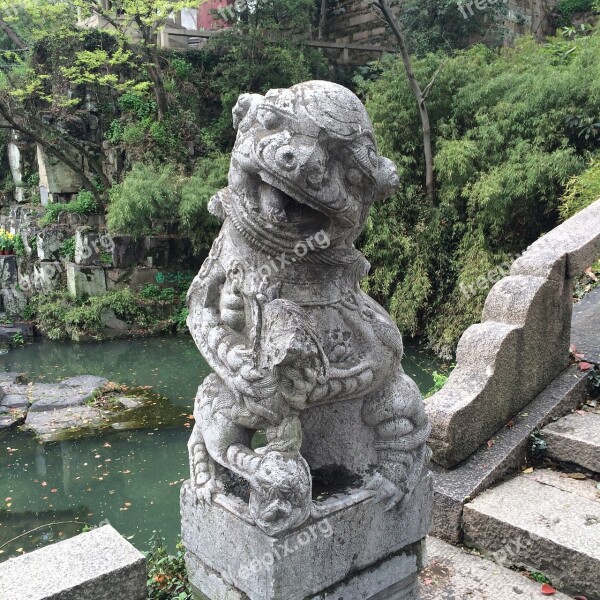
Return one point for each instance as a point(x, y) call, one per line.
point(510, 130)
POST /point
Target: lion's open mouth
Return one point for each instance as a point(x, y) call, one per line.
point(279, 207)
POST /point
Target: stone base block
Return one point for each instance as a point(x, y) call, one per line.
point(85, 281)
point(353, 549)
point(391, 579)
point(49, 242)
point(12, 302)
point(98, 565)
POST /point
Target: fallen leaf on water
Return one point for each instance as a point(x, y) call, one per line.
point(548, 590)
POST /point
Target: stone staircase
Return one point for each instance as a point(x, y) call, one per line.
point(548, 520)
point(457, 574)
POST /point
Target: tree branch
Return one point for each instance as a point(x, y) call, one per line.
point(49, 147)
point(435, 75)
point(417, 93)
point(16, 40)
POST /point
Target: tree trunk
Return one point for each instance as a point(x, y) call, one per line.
point(154, 69)
point(52, 149)
point(162, 103)
point(17, 41)
point(416, 90)
point(322, 18)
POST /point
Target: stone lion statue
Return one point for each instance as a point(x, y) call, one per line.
point(277, 311)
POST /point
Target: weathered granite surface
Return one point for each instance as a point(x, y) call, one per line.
point(530, 522)
point(85, 280)
point(351, 535)
point(454, 487)
point(297, 349)
point(97, 565)
point(520, 346)
point(586, 338)
point(13, 401)
point(10, 419)
point(456, 574)
point(575, 438)
point(509, 447)
point(75, 391)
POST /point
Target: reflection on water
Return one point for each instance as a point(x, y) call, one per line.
point(131, 479)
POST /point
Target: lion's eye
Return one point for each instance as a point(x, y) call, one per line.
point(353, 176)
point(286, 158)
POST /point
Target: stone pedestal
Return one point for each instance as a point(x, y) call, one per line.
point(354, 550)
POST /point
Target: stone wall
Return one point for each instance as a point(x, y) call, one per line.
point(521, 344)
point(102, 262)
point(354, 21)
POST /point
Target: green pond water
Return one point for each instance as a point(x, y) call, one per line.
point(130, 479)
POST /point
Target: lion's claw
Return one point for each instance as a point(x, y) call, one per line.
point(205, 492)
point(385, 491)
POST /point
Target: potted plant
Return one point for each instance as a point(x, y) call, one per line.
point(7, 242)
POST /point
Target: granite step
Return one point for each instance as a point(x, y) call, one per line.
point(544, 521)
point(575, 439)
point(454, 573)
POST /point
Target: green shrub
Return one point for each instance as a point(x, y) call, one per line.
point(133, 134)
point(567, 8)
point(504, 150)
point(154, 292)
point(19, 245)
point(196, 222)
point(183, 68)
point(49, 313)
point(67, 249)
point(60, 316)
point(147, 195)
point(140, 104)
point(581, 190)
point(180, 318)
point(83, 204)
point(439, 380)
point(167, 575)
point(17, 340)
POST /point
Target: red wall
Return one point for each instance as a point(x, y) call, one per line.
point(205, 18)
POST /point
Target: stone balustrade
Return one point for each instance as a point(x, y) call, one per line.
point(521, 344)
